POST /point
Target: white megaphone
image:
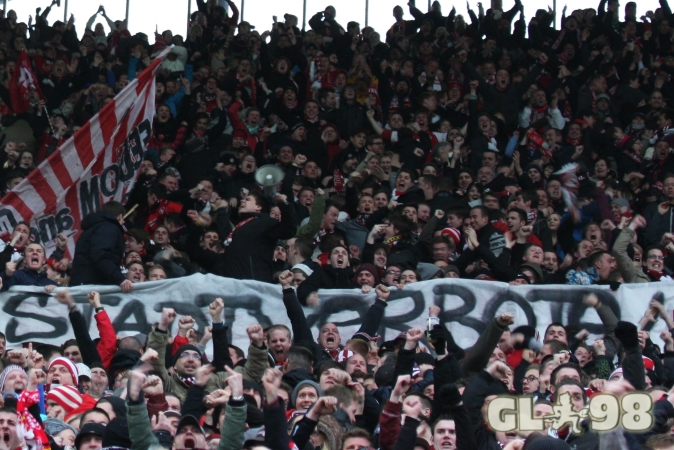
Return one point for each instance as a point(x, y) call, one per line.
point(268, 177)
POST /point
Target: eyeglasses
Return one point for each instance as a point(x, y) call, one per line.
point(660, 257)
point(186, 355)
point(393, 272)
point(530, 379)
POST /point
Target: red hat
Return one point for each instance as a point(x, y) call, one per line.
point(238, 132)
point(88, 402)
point(67, 397)
point(648, 363)
point(452, 233)
point(455, 86)
point(374, 90)
point(329, 125)
point(68, 364)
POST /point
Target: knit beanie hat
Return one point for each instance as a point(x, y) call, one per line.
point(54, 426)
point(183, 349)
point(67, 397)
point(367, 267)
point(68, 364)
point(88, 402)
point(300, 385)
point(117, 434)
point(118, 405)
point(90, 429)
point(621, 202)
point(3, 375)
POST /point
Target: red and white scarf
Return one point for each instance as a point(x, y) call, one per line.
point(28, 429)
point(338, 180)
point(321, 233)
point(236, 228)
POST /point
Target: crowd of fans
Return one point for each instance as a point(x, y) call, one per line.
point(490, 149)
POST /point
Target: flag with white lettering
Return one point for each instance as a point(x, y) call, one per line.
point(23, 85)
point(99, 163)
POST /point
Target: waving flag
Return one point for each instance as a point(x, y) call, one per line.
point(23, 83)
point(97, 164)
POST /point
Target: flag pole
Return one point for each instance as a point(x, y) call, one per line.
point(367, 10)
point(304, 14)
point(46, 111)
point(189, 15)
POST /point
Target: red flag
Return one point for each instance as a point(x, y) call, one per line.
point(22, 84)
point(99, 163)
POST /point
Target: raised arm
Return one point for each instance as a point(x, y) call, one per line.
point(373, 316)
point(478, 357)
point(107, 344)
point(276, 433)
point(221, 358)
point(140, 427)
point(84, 341)
point(157, 341)
point(234, 426)
point(301, 332)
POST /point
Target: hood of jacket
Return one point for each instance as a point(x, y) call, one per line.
point(98, 218)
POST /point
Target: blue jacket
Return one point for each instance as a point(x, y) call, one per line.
point(26, 277)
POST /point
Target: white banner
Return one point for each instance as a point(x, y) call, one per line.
point(29, 314)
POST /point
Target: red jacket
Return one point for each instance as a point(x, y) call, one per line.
point(156, 217)
point(107, 345)
point(237, 124)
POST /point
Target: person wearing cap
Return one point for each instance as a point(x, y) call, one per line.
point(84, 379)
point(90, 437)
point(63, 434)
point(61, 400)
point(533, 271)
point(13, 379)
point(188, 358)
point(62, 371)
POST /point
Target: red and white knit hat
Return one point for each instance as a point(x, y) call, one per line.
point(343, 355)
point(68, 364)
point(452, 233)
point(67, 397)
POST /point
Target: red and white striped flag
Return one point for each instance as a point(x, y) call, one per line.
point(23, 84)
point(97, 164)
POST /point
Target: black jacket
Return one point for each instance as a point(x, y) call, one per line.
point(99, 251)
point(328, 278)
point(249, 255)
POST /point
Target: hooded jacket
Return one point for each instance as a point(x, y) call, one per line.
point(99, 251)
